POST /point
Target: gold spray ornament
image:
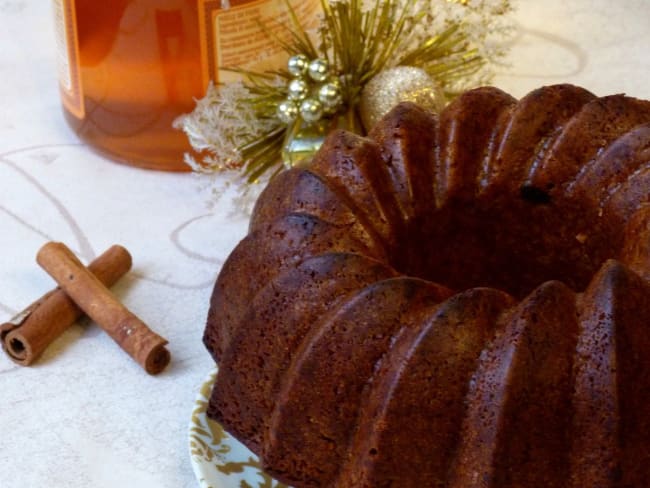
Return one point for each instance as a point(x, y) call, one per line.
point(256, 125)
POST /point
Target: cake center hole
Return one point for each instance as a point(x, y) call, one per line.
point(512, 246)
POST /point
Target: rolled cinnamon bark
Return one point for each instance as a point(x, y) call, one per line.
point(133, 335)
point(28, 334)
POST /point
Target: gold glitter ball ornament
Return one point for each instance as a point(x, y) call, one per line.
point(395, 85)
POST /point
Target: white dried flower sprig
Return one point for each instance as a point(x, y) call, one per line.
point(221, 124)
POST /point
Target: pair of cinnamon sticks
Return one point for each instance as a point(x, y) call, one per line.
point(82, 290)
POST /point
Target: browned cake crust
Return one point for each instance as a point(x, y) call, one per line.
point(515, 427)
point(453, 301)
point(278, 245)
point(407, 387)
point(286, 308)
point(313, 436)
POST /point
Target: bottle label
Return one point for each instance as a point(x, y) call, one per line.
point(65, 24)
point(241, 35)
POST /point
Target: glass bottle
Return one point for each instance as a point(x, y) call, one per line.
point(128, 68)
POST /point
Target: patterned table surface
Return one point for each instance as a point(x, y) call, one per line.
point(85, 415)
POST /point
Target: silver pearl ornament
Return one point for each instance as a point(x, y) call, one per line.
point(298, 65)
point(319, 70)
point(288, 111)
point(298, 89)
point(311, 110)
point(330, 95)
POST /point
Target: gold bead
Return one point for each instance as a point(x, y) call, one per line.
point(311, 110)
point(298, 65)
point(298, 89)
point(288, 111)
point(319, 70)
point(330, 96)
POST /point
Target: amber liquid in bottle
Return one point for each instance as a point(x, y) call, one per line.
point(140, 67)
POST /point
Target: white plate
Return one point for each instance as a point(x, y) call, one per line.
point(218, 460)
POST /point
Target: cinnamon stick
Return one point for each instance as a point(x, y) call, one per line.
point(28, 334)
point(132, 335)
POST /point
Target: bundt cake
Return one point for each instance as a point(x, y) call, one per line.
point(455, 301)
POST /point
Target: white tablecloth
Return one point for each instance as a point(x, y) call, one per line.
point(87, 416)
